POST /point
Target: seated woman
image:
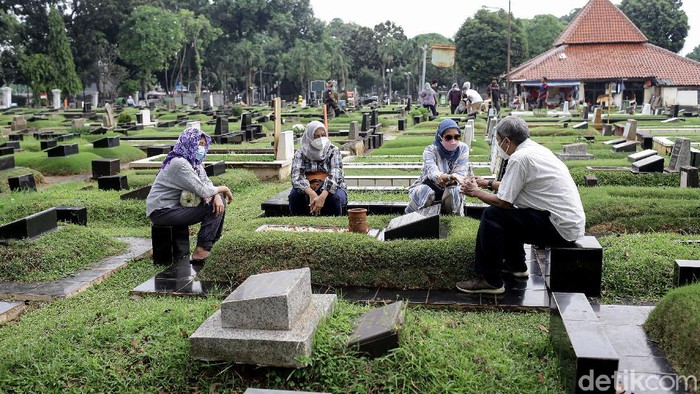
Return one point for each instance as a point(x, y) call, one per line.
point(182, 171)
point(445, 166)
point(318, 180)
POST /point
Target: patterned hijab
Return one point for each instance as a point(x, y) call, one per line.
point(306, 148)
point(444, 153)
point(428, 88)
point(187, 146)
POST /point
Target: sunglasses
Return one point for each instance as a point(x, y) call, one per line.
point(451, 137)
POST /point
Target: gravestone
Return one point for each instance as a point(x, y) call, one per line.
point(108, 120)
point(598, 118)
point(138, 194)
point(246, 120)
point(377, 331)
point(10, 144)
point(650, 164)
point(423, 223)
point(170, 243)
point(22, 182)
point(590, 180)
point(577, 151)
point(627, 146)
point(686, 272)
point(95, 99)
point(680, 155)
point(194, 124)
point(221, 125)
point(112, 182)
point(6, 150)
point(469, 135)
point(630, 132)
point(47, 144)
point(6, 97)
point(585, 113)
point(580, 126)
point(645, 138)
point(646, 109)
point(671, 120)
point(19, 123)
point(374, 117)
point(87, 108)
point(285, 146)
point(214, 169)
point(365, 122)
point(56, 98)
point(402, 124)
point(353, 133)
point(7, 162)
point(689, 177)
point(470, 124)
point(107, 142)
point(695, 157)
point(145, 117)
point(16, 137)
point(157, 150)
point(641, 155)
point(105, 167)
point(30, 226)
point(74, 215)
point(65, 137)
point(491, 129)
point(268, 320)
point(62, 150)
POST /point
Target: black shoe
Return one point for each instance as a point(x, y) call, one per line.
point(197, 261)
point(479, 285)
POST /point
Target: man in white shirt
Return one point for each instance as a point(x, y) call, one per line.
point(472, 98)
point(537, 202)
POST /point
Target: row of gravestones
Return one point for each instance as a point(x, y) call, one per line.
point(41, 222)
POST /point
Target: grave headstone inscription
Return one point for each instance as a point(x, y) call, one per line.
point(423, 223)
point(680, 154)
point(378, 330)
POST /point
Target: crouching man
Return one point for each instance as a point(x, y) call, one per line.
point(536, 202)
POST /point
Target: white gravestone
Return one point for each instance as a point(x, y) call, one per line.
point(646, 109)
point(95, 99)
point(6, 97)
point(56, 98)
point(285, 148)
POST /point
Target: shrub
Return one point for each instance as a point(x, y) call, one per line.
point(124, 117)
point(237, 110)
point(675, 322)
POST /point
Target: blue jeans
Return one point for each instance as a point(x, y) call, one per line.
point(334, 206)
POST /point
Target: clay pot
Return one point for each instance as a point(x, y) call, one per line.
point(357, 218)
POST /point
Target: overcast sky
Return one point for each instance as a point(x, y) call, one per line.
point(446, 16)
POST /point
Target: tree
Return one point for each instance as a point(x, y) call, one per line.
point(695, 54)
point(662, 21)
point(542, 31)
point(65, 77)
point(148, 39)
point(482, 45)
point(199, 33)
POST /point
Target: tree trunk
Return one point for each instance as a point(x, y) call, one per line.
point(200, 102)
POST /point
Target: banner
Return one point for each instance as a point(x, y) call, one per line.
point(443, 56)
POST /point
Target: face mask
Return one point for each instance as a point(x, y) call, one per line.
point(451, 145)
point(320, 143)
point(201, 152)
point(502, 152)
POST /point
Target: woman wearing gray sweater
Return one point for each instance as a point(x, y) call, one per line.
point(182, 171)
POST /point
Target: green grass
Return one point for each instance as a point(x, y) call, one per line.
point(639, 267)
point(674, 324)
point(18, 171)
point(73, 164)
point(103, 340)
point(55, 255)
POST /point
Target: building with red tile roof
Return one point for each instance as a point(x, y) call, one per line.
point(601, 53)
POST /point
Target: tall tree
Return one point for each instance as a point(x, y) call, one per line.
point(542, 31)
point(149, 38)
point(199, 33)
point(482, 45)
point(662, 21)
point(694, 54)
point(60, 54)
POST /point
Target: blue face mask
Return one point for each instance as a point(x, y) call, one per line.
point(201, 152)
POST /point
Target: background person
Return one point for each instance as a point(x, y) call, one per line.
point(429, 98)
point(445, 165)
point(331, 102)
point(494, 92)
point(542, 94)
point(472, 99)
point(318, 180)
point(454, 97)
point(537, 202)
point(182, 170)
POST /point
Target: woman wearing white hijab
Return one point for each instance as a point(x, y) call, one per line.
point(318, 180)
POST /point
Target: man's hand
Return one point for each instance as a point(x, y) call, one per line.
point(469, 187)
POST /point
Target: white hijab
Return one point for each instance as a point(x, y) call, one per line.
point(309, 150)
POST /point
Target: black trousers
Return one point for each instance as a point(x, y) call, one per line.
point(211, 225)
point(501, 237)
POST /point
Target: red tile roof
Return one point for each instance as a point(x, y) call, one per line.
point(608, 62)
point(600, 21)
point(602, 44)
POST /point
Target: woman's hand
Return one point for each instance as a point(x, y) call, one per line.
point(226, 192)
point(317, 203)
point(218, 206)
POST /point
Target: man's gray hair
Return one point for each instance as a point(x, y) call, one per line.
point(514, 128)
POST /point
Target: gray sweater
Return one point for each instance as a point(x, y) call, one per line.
point(177, 176)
